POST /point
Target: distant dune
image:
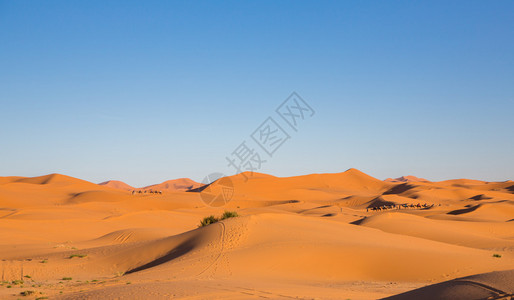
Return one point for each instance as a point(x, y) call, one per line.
point(54, 179)
point(325, 236)
point(181, 184)
point(408, 178)
point(115, 184)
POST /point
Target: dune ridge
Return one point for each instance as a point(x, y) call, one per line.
point(408, 178)
point(116, 184)
point(309, 236)
point(181, 184)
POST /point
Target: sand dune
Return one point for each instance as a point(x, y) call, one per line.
point(309, 236)
point(307, 187)
point(461, 233)
point(116, 184)
point(408, 178)
point(499, 211)
point(493, 285)
point(181, 184)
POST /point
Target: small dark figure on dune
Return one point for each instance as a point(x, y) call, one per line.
point(399, 206)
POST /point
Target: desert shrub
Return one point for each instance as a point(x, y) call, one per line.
point(497, 255)
point(78, 255)
point(66, 278)
point(27, 293)
point(212, 219)
point(229, 214)
point(208, 220)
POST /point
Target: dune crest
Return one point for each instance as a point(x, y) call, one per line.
point(181, 184)
point(54, 179)
point(116, 184)
point(309, 236)
point(408, 178)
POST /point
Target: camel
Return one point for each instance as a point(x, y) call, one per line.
point(400, 206)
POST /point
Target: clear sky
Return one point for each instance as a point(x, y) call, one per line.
point(145, 91)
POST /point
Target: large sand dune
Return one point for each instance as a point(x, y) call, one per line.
point(313, 236)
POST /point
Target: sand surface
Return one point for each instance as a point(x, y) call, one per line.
point(306, 237)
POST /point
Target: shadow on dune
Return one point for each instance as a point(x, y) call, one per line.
point(471, 208)
point(378, 202)
point(199, 189)
point(464, 210)
point(398, 189)
point(480, 197)
point(177, 252)
point(358, 222)
point(328, 215)
point(493, 286)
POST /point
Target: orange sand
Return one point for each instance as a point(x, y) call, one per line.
point(297, 237)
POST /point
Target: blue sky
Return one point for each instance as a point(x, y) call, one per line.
point(153, 90)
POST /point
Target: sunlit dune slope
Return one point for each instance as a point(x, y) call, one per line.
point(318, 235)
point(116, 184)
point(493, 285)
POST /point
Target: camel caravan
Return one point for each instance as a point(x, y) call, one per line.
point(145, 191)
point(399, 206)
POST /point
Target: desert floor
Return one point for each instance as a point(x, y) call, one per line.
point(304, 237)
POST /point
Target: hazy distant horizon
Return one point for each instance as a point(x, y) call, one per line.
point(202, 180)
